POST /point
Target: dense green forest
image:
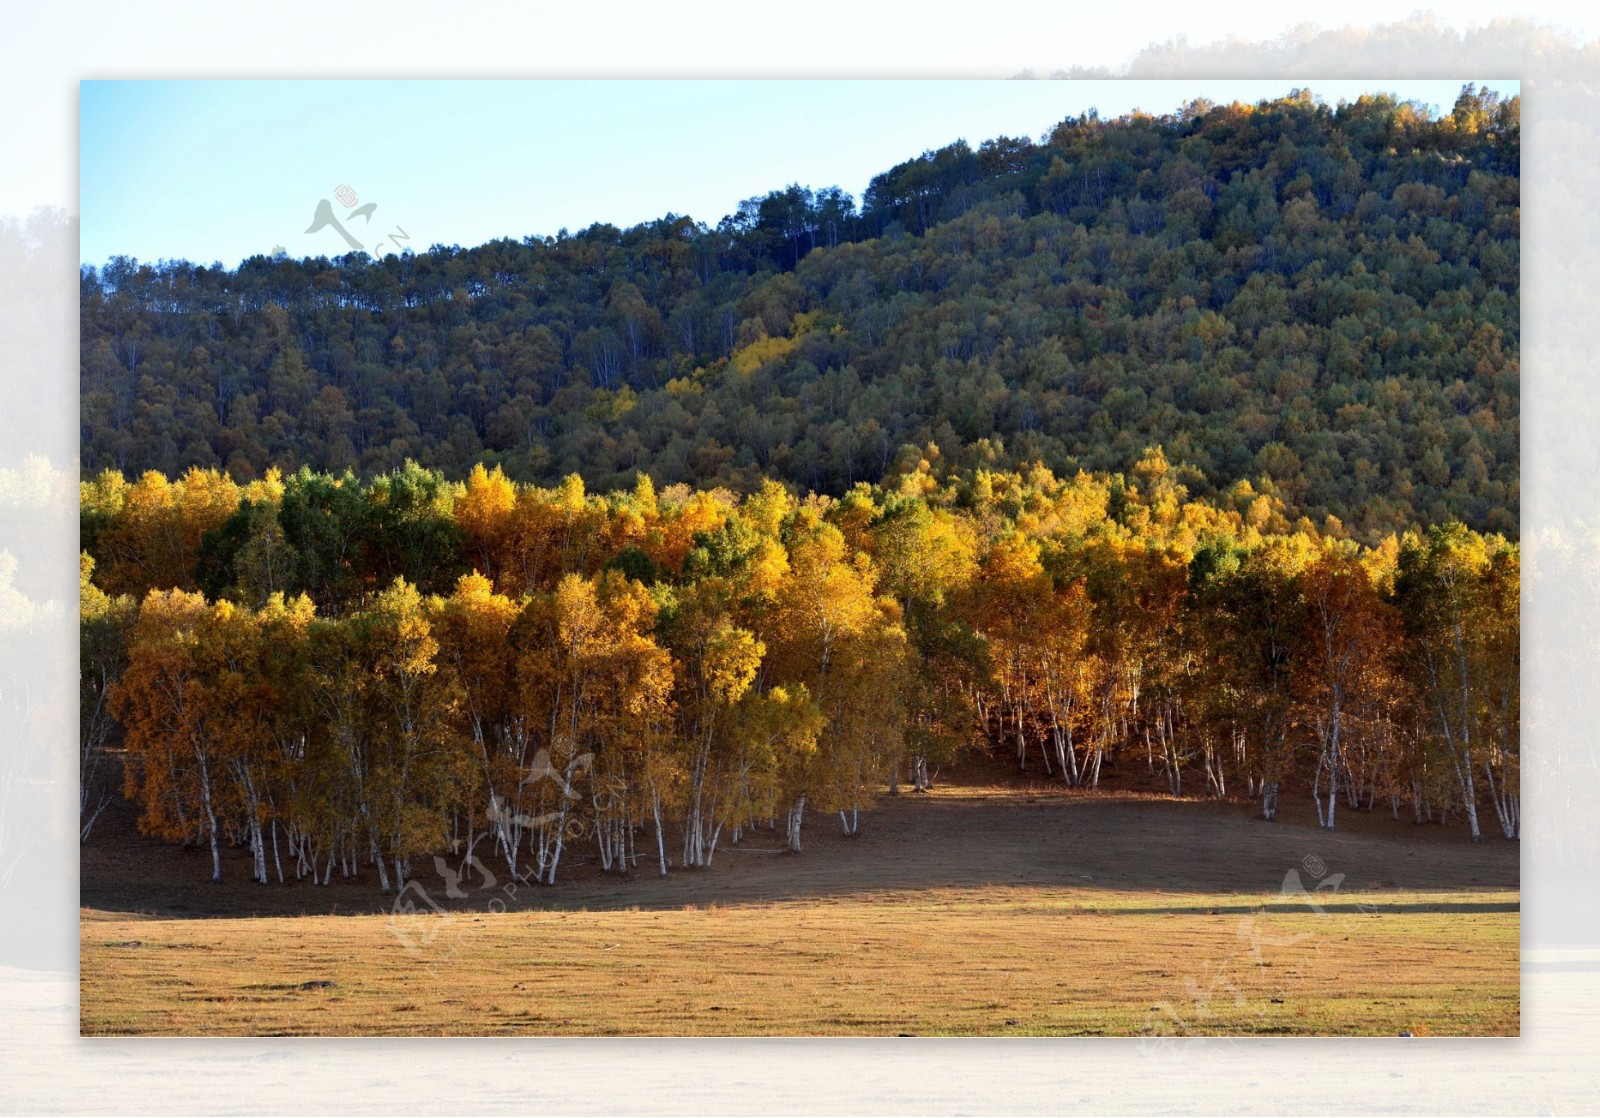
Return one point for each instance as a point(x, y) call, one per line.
point(1307, 304)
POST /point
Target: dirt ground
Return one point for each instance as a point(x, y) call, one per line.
point(992, 906)
point(983, 825)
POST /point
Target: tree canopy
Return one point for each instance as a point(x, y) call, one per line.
point(569, 666)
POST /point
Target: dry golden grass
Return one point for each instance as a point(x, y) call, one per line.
point(984, 961)
point(979, 910)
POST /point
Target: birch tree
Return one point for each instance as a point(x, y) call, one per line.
point(1351, 639)
point(1457, 593)
point(166, 711)
point(927, 560)
point(473, 628)
point(1254, 612)
point(832, 632)
point(415, 773)
point(104, 628)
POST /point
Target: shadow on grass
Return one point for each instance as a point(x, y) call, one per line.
point(937, 846)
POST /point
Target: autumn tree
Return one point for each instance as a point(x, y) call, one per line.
point(1457, 592)
point(833, 633)
point(926, 559)
point(1254, 620)
point(104, 625)
point(166, 709)
point(1350, 681)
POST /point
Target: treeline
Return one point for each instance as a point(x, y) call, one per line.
point(338, 674)
point(1323, 300)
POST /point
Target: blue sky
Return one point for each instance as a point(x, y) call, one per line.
point(220, 170)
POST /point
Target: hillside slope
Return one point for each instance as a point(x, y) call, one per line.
point(1323, 301)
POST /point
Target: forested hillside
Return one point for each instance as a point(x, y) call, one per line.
point(1310, 304)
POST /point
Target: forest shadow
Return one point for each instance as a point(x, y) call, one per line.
point(986, 841)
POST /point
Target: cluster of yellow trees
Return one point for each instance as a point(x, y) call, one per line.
point(672, 671)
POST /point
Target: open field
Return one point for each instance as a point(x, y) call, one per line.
point(976, 910)
point(986, 961)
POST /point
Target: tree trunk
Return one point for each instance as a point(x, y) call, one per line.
point(797, 813)
point(661, 840)
point(211, 821)
point(260, 849)
point(377, 858)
